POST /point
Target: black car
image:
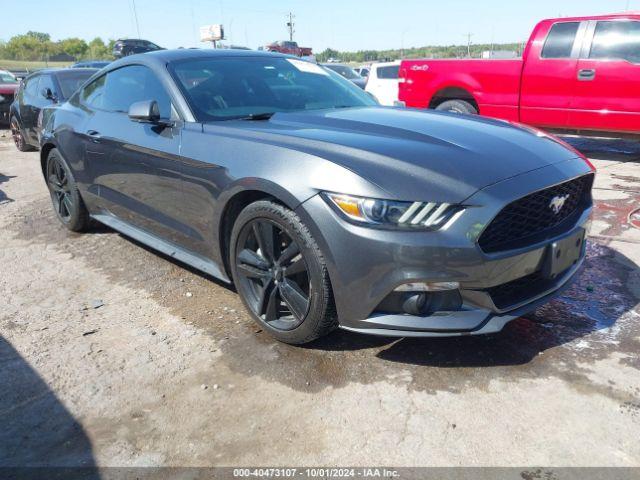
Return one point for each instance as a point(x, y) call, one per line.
point(323, 208)
point(39, 90)
point(131, 46)
point(348, 73)
point(91, 64)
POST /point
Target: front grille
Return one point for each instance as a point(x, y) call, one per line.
point(520, 290)
point(531, 219)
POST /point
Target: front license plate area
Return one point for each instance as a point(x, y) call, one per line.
point(563, 254)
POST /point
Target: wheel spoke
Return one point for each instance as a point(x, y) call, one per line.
point(68, 204)
point(295, 298)
point(298, 266)
point(271, 311)
point(289, 253)
point(53, 181)
point(263, 297)
point(252, 272)
point(251, 258)
point(264, 233)
point(60, 203)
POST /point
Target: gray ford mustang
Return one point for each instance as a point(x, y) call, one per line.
point(324, 209)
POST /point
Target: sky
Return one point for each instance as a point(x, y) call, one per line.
point(345, 25)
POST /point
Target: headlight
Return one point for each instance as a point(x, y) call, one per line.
point(1, 98)
point(391, 213)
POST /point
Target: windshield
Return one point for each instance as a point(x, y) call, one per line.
point(237, 87)
point(72, 80)
point(343, 70)
point(6, 77)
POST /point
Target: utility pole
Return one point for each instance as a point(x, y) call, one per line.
point(469, 35)
point(290, 26)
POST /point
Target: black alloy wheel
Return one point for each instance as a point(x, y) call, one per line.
point(60, 189)
point(280, 273)
point(65, 197)
point(18, 138)
point(273, 274)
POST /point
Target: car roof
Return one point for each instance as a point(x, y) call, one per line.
point(168, 56)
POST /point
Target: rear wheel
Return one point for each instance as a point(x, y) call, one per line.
point(458, 106)
point(18, 138)
point(65, 196)
point(280, 273)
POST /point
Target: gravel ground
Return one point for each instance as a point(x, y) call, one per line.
point(113, 355)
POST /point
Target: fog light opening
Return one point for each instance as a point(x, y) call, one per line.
point(427, 287)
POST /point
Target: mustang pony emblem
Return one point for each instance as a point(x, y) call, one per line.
point(557, 203)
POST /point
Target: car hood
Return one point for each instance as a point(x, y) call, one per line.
point(413, 154)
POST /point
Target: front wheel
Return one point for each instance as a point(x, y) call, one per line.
point(65, 197)
point(281, 274)
point(458, 106)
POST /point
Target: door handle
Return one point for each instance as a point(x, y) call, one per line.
point(586, 74)
point(94, 135)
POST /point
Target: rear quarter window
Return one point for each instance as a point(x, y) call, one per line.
point(388, 73)
point(559, 42)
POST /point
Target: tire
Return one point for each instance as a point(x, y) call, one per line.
point(65, 197)
point(18, 137)
point(457, 106)
point(276, 265)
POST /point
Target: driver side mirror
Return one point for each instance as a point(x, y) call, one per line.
point(49, 95)
point(148, 111)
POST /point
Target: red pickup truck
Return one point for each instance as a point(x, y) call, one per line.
point(579, 74)
point(289, 48)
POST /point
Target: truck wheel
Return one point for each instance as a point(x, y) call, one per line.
point(457, 106)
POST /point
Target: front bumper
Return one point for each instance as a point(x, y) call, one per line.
point(366, 265)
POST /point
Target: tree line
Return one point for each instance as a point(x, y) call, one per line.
point(432, 51)
point(39, 46)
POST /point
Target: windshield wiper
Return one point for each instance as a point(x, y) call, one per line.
point(259, 116)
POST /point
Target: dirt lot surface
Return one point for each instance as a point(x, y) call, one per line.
point(113, 355)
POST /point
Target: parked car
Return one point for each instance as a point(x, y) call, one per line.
point(38, 90)
point(322, 207)
point(347, 72)
point(131, 46)
point(290, 48)
point(363, 71)
point(91, 64)
point(8, 86)
point(578, 73)
point(383, 82)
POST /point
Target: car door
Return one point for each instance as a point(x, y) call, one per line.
point(41, 100)
point(383, 83)
point(606, 86)
point(135, 167)
point(548, 76)
point(28, 106)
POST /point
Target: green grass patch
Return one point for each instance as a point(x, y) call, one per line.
point(30, 65)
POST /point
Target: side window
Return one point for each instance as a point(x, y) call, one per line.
point(93, 94)
point(388, 73)
point(618, 40)
point(31, 88)
point(131, 84)
point(46, 82)
point(560, 40)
